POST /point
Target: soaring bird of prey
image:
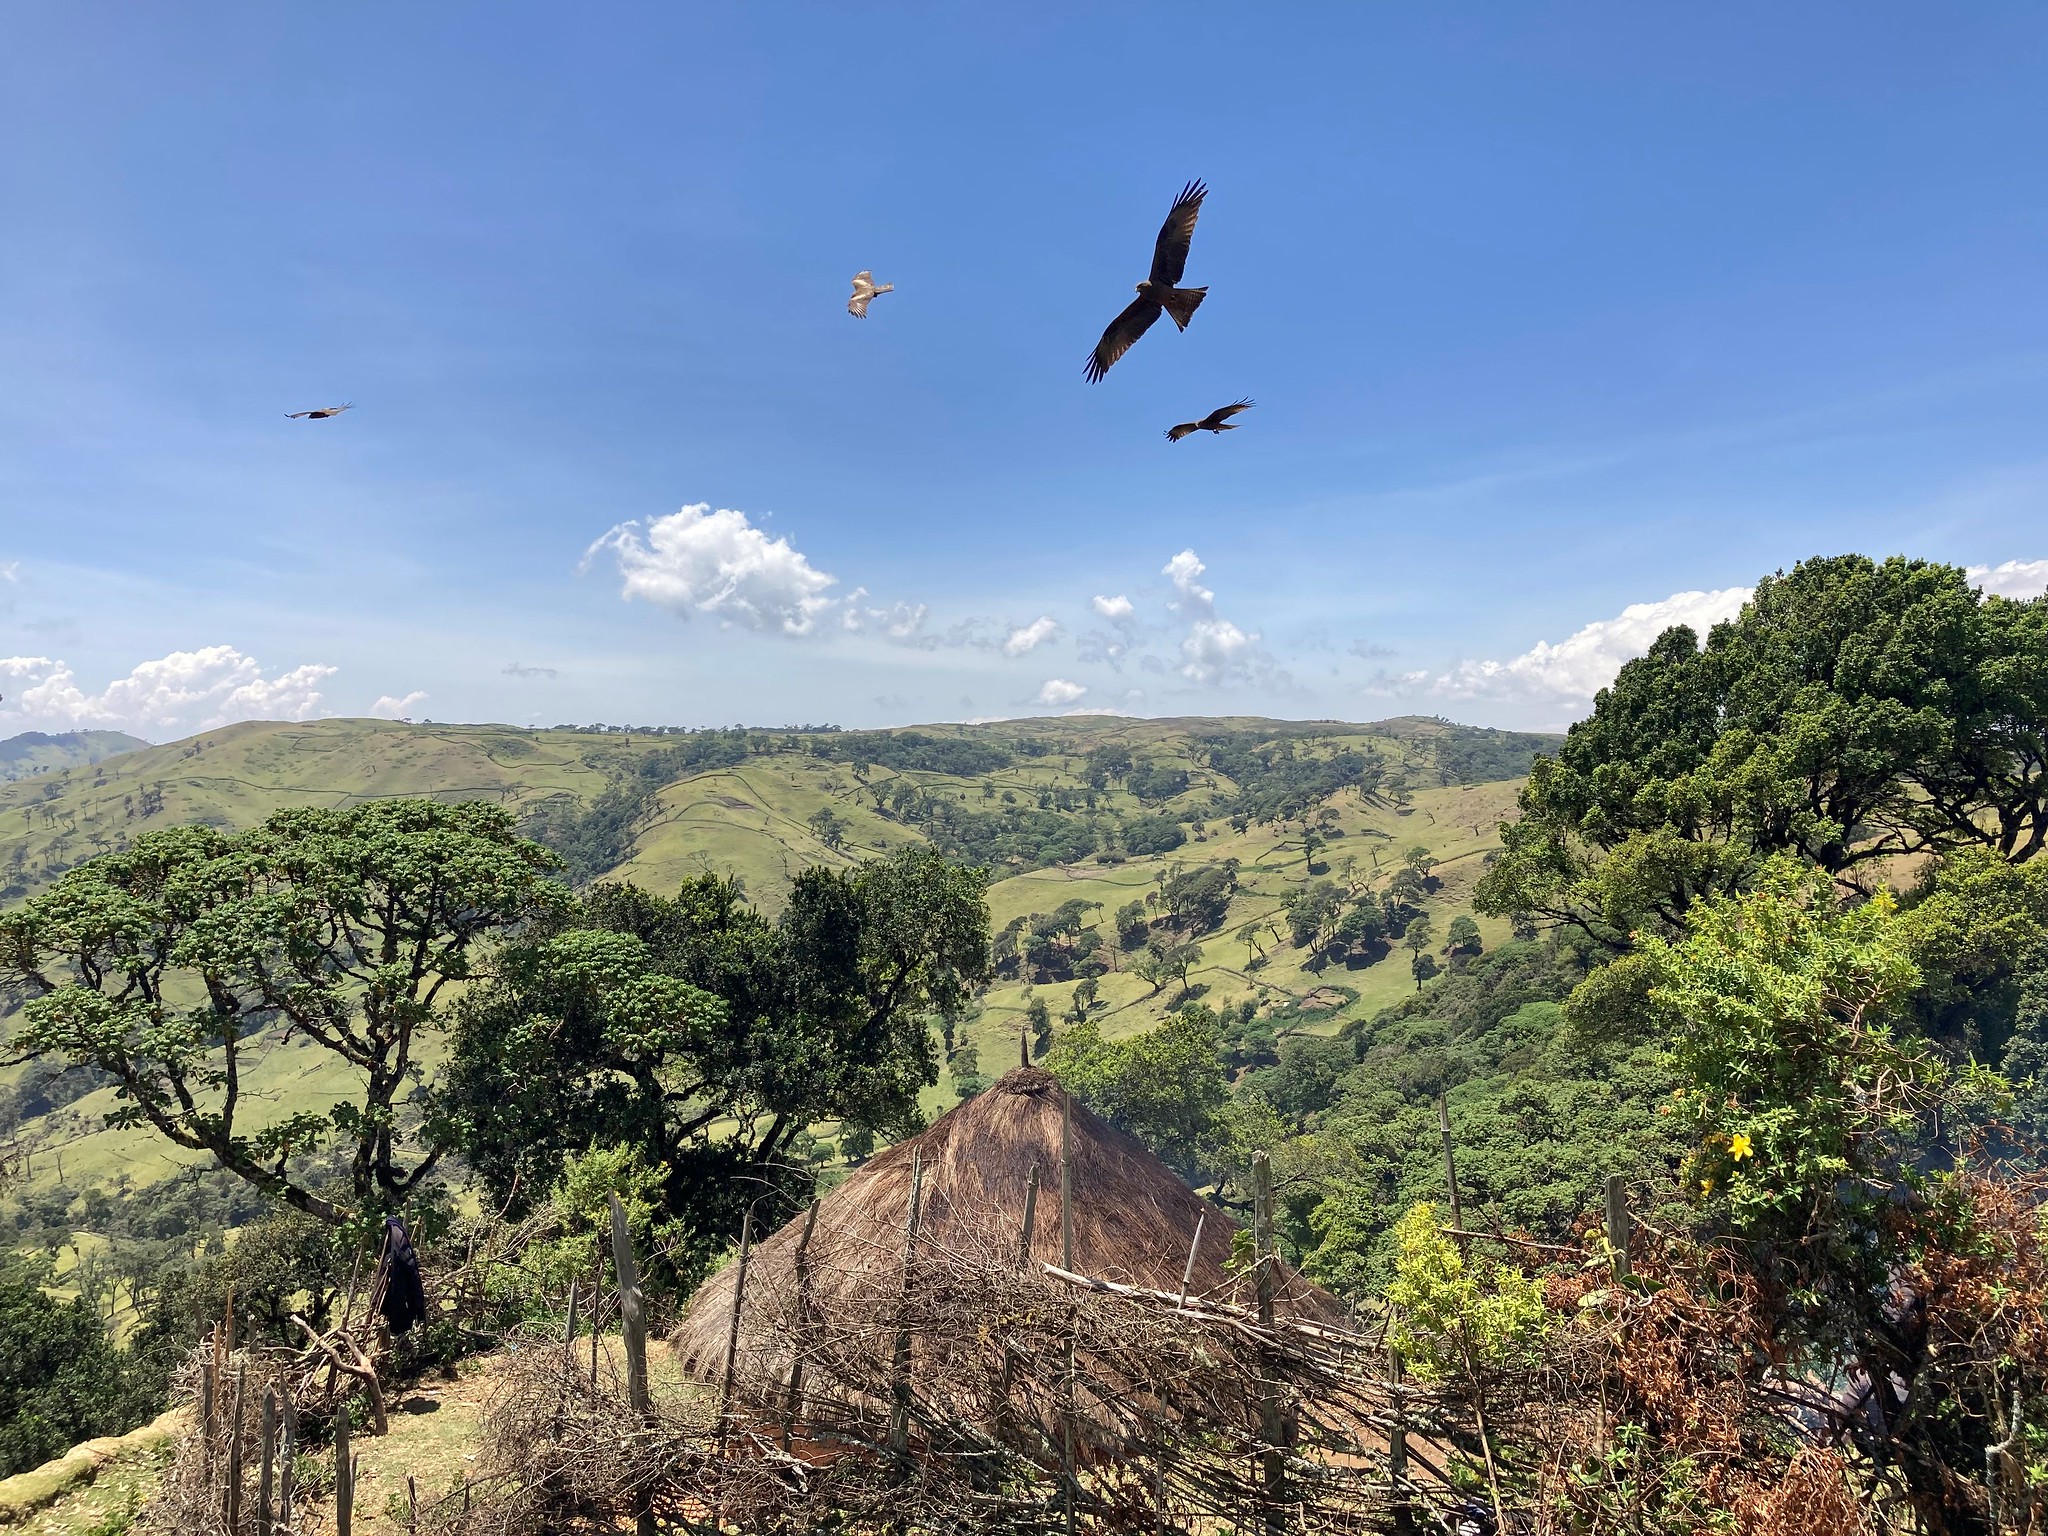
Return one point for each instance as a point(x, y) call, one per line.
point(864, 288)
point(322, 414)
point(1157, 292)
point(1217, 420)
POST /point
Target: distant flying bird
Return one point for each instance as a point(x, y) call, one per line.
point(322, 414)
point(1217, 420)
point(1157, 292)
point(864, 288)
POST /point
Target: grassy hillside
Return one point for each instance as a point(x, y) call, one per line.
point(33, 753)
point(1059, 809)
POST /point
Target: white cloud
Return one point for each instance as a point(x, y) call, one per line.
point(1584, 662)
point(184, 691)
point(392, 709)
point(1214, 650)
point(520, 669)
point(1058, 691)
point(1029, 637)
point(2014, 578)
point(900, 622)
point(700, 561)
point(10, 572)
point(1117, 610)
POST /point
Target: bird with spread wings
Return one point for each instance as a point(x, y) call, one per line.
point(1217, 420)
point(322, 414)
point(1158, 292)
point(864, 288)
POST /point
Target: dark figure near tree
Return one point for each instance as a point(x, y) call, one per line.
point(405, 1298)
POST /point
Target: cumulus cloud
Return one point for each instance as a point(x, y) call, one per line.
point(1214, 650)
point(518, 669)
point(1058, 691)
point(1581, 664)
point(718, 563)
point(184, 691)
point(1026, 638)
point(2014, 578)
point(392, 709)
point(1117, 610)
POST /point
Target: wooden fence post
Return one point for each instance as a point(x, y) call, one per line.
point(1069, 1405)
point(1443, 1120)
point(1030, 1219)
point(1397, 1442)
point(899, 1366)
point(1620, 1227)
point(1187, 1275)
point(208, 1394)
point(568, 1356)
point(793, 1405)
point(732, 1333)
point(266, 1485)
point(234, 1509)
point(288, 1448)
point(633, 1338)
point(344, 1474)
point(1272, 1430)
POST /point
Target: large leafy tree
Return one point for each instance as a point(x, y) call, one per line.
point(1853, 712)
point(61, 1380)
point(708, 1038)
point(175, 964)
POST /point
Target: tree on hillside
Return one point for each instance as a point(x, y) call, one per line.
point(829, 826)
point(1165, 1087)
point(1038, 1019)
point(708, 1038)
point(174, 965)
point(1852, 712)
point(1462, 938)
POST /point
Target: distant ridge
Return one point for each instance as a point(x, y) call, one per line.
point(33, 752)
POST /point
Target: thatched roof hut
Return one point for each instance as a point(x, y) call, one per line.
point(1133, 1223)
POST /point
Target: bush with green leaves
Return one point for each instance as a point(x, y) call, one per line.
point(1459, 1317)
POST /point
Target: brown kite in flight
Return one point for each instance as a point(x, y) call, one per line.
point(322, 414)
point(1217, 420)
point(864, 288)
point(1157, 292)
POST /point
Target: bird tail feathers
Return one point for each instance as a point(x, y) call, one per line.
point(1181, 303)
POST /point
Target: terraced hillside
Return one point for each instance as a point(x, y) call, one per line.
point(1110, 843)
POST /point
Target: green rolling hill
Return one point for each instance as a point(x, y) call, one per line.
point(1097, 811)
point(33, 753)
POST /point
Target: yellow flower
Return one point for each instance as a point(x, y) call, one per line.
point(1739, 1147)
point(1706, 1186)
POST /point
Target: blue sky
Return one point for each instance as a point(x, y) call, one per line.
point(1563, 321)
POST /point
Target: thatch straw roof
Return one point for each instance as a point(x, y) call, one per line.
point(1133, 1222)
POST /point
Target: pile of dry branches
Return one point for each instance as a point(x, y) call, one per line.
point(968, 1395)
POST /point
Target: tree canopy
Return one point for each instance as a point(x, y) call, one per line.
point(1853, 712)
point(171, 965)
point(696, 1031)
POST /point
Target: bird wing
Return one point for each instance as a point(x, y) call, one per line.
point(1125, 329)
point(857, 306)
point(863, 282)
point(1223, 413)
point(1170, 254)
point(1175, 434)
point(296, 415)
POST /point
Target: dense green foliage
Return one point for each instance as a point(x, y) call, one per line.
point(1854, 711)
point(913, 752)
point(156, 965)
point(709, 1039)
point(61, 1380)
